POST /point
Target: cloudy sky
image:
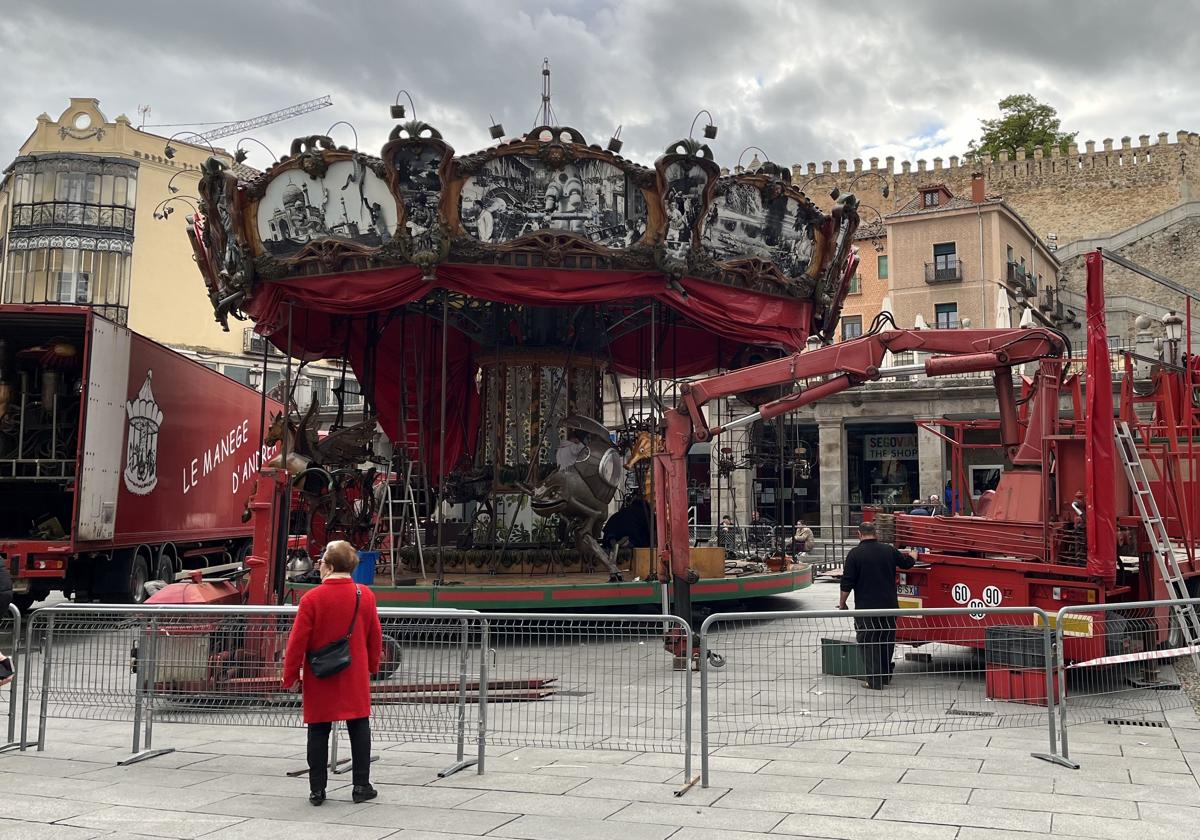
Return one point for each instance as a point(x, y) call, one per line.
point(806, 81)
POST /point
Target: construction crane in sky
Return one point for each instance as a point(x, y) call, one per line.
point(229, 129)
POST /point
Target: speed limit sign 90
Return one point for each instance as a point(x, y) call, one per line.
point(992, 596)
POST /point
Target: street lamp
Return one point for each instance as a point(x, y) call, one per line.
point(1173, 328)
point(254, 378)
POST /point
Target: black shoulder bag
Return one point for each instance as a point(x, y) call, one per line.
point(334, 657)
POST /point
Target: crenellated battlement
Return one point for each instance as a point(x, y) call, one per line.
point(1040, 163)
point(1095, 189)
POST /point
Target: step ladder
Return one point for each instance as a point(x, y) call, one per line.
point(1160, 540)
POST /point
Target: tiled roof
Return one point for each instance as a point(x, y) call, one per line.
point(915, 206)
point(244, 173)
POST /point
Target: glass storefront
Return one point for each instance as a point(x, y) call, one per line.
point(882, 465)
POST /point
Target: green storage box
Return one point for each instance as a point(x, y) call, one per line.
point(840, 658)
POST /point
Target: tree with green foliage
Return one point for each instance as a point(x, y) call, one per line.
point(1024, 123)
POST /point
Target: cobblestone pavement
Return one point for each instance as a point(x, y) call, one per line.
point(232, 782)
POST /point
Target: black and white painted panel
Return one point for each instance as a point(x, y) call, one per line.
point(742, 225)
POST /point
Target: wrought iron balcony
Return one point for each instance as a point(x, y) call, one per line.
point(71, 214)
point(1019, 277)
point(943, 271)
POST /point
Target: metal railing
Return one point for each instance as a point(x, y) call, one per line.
point(605, 681)
point(943, 271)
point(45, 214)
point(451, 676)
point(10, 641)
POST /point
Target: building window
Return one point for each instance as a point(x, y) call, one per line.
point(1010, 253)
point(851, 327)
point(883, 267)
point(946, 315)
point(931, 198)
point(855, 285)
point(943, 255)
point(72, 275)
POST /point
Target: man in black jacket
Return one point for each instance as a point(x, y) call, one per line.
point(870, 573)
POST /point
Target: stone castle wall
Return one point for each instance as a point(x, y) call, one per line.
point(1085, 192)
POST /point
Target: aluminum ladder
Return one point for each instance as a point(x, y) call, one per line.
point(1160, 540)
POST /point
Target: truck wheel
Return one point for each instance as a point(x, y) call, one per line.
point(390, 661)
point(166, 569)
point(139, 574)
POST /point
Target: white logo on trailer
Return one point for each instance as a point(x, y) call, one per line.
point(141, 448)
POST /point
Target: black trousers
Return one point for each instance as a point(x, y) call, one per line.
point(876, 645)
point(318, 752)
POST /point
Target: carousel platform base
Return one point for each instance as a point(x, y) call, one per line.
point(566, 592)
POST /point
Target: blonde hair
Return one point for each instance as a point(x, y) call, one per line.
point(340, 556)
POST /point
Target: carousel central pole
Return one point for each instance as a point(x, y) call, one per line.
point(441, 494)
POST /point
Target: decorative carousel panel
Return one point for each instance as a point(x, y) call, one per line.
point(687, 174)
point(416, 159)
point(515, 196)
point(348, 204)
point(748, 220)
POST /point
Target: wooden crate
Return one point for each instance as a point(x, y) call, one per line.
point(707, 561)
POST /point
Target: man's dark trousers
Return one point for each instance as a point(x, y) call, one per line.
point(876, 645)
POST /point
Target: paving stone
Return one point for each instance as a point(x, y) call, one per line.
point(755, 781)
point(257, 829)
point(426, 819)
point(271, 785)
point(693, 833)
point(285, 807)
point(417, 834)
point(902, 790)
point(541, 804)
point(617, 772)
point(715, 762)
point(247, 764)
point(1178, 813)
point(1036, 767)
point(1057, 803)
point(984, 781)
point(62, 788)
point(52, 767)
point(149, 774)
point(819, 755)
point(1138, 751)
point(21, 830)
point(1174, 780)
point(559, 828)
point(520, 782)
point(801, 803)
point(841, 828)
point(969, 833)
point(1079, 825)
point(43, 809)
point(978, 816)
point(522, 759)
point(880, 745)
point(148, 796)
point(647, 792)
point(400, 775)
point(917, 762)
point(738, 819)
point(833, 771)
point(1117, 790)
point(157, 823)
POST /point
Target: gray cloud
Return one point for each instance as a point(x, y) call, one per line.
point(805, 81)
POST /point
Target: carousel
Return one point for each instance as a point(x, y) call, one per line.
point(517, 321)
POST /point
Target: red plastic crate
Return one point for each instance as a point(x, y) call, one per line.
point(1020, 685)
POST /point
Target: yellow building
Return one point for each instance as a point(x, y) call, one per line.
point(94, 212)
point(958, 261)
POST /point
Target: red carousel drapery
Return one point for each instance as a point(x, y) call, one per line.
point(353, 315)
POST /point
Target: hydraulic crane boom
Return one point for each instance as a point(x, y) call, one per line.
point(829, 370)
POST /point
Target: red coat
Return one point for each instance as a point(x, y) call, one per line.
point(324, 617)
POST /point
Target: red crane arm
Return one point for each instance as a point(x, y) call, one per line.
point(842, 366)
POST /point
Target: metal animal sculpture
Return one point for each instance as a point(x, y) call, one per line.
point(645, 446)
point(581, 490)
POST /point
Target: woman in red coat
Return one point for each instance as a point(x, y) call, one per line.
point(326, 613)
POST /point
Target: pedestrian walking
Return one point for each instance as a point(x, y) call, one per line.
point(7, 669)
point(334, 647)
point(870, 573)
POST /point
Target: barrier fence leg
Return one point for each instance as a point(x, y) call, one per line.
point(1060, 665)
point(21, 679)
point(1053, 688)
point(462, 762)
point(484, 648)
point(336, 765)
point(688, 779)
point(26, 687)
point(704, 710)
point(44, 706)
point(144, 704)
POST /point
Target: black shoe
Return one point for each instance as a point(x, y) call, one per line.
point(317, 797)
point(362, 793)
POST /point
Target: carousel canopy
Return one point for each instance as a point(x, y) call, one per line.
point(544, 241)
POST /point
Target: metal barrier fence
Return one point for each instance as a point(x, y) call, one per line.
point(582, 681)
point(10, 643)
point(817, 675)
point(1114, 661)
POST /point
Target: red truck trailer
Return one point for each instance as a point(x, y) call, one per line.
point(121, 461)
